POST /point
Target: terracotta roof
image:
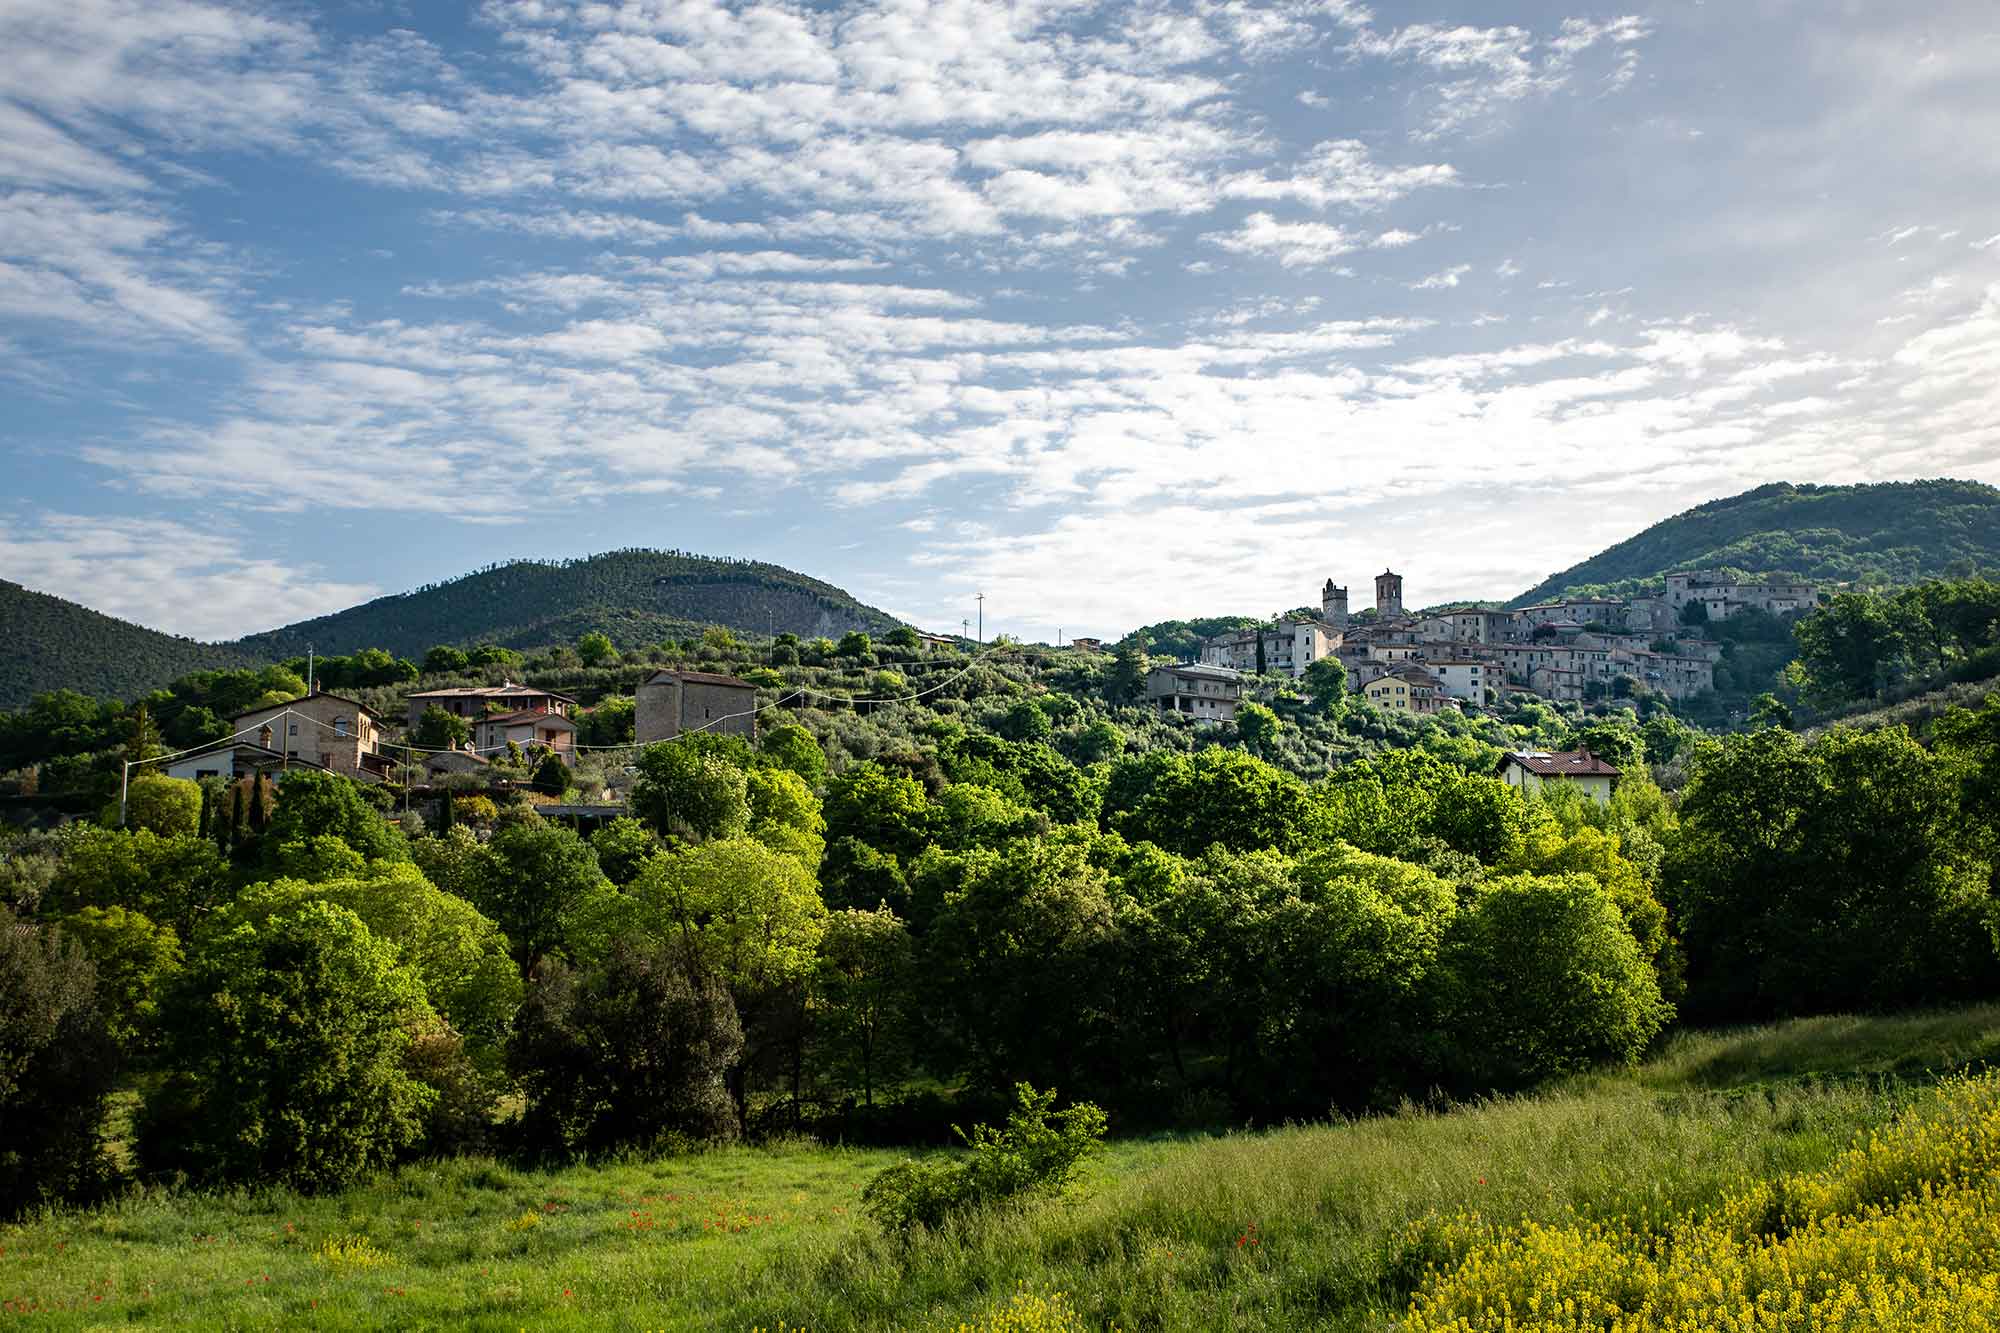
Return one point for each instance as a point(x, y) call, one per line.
point(701, 678)
point(527, 715)
point(508, 690)
point(316, 694)
point(1561, 764)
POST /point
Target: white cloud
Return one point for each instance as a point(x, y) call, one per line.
point(1292, 244)
point(1442, 278)
point(166, 574)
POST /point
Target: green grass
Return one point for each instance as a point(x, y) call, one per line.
point(1295, 1227)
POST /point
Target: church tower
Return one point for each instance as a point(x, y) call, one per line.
point(1388, 595)
point(1333, 605)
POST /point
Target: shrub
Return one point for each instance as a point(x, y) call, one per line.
point(1037, 1153)
point(681, 789)
point(551, 776)
point(135, 960)
point(289, 1039)
point(56, 1067)
point(624, 1054)
point(170, 807)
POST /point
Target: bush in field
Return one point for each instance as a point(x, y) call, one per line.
point(1037, 1153)
point(1548, 979)
point(289, 1039)
point(625, 1053)
point(57, 1063)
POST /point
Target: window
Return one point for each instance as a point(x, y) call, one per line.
point(340, 726)
point(292, 730)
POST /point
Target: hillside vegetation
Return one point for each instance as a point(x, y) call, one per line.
point(47, 643)
point(1886, 533)
point(634, 596)
point(1323, 1226)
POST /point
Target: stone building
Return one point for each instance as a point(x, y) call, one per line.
point(1389, 595)
point(1288, 647)
point(1406, 690)
point(473, 702)
point(669, 703)
point(1333, 605)
point(327, 730)
point(1722, 597)
point(1199, 690)
point(530, 729)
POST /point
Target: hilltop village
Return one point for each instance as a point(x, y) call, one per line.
point(1577, 649)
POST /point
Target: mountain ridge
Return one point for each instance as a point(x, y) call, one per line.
point(1870, 533)
point(634, 595)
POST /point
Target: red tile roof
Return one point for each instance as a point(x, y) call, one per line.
point(1562, 764)
point(701, 678)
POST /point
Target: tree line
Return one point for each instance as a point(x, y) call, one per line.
point(305, 992)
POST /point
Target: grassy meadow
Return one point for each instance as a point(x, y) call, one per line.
point(1332, 1226)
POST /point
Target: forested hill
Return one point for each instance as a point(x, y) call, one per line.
point(47, 643)
point(1895, 532)
point(634, 596)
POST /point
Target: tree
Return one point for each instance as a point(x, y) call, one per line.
point(539, 873)
point(854, 643)
point(903, 637)
point(135, 959)
point(861, 996)
point(1547, 980)
point(610, 723)
point(57, 1067)
point(681, 789)
point(1325, 683)
point(1126, 680)
point(622, 846)
point(1768, 710)
point(1185, 803)
point(170, 880)
point(552, 776)
point(439, 729)
point(288, 1040)
point(312, 802)
point(596, 649)
point(1849, 648)
point(1827, 876)
point(459, 954)
point(791, 746)
point(170, 807)
point(1258, 726)
point(445, 660)
point(1100, 742)
point(490, 654)
point(1025, 721)
point(883, 809)
point(625, 1053)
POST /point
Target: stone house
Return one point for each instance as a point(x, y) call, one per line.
point(530, 728)
point(240, 760)
point(1289, 647)
point(327, 730)
point(669, 703)
point(1532, 770)
point(473, 702)
point(1723, 597)
point(1199, 690)
point(1463, 678)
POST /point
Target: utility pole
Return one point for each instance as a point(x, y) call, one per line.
point(982, 618)
point(965, 628)
point(309, 671)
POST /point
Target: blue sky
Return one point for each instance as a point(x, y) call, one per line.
point(1114, 312)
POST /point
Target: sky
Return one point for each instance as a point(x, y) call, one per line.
point(1114, 312)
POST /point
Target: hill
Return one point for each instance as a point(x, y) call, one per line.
point(632, 595)
point(47, 643)
point(1883, 533)
point(635, 596)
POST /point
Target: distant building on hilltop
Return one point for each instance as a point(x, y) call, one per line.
point(1388, 595)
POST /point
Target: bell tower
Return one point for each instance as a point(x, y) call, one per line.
point(1333, 605)
point(1388, 594)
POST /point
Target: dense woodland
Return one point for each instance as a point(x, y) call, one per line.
point(867, 923)
point(1872, 536)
